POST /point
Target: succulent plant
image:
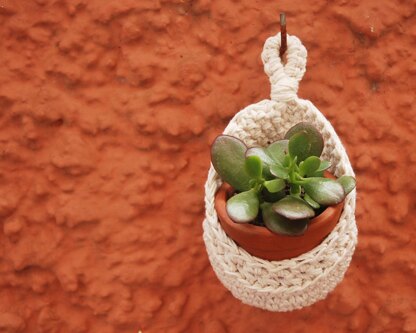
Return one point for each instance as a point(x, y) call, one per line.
point(281, 186)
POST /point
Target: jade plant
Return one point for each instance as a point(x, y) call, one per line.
point(281, 186)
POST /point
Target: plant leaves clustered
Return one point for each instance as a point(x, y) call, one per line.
point(282, 185)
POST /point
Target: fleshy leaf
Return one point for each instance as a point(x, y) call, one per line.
point(278, 150)
point(273, 154)
point(293, 208)
point(299, 146)
point(275, 185)
point(287, 160)
point(324, 191)
point(347, 182)
point(228, 159)
point(324, 165)
point(295, 189)
point(309, 166)
point(253, 183)
point(280, 225)
point(265, 158)
point(279, 171)
point(243, 207)
point(304, 141)
point(311, 202)
point(254, 167)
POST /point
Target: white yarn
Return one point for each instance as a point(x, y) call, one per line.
point(293, 283)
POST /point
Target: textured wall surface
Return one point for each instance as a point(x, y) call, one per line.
point(107, 110)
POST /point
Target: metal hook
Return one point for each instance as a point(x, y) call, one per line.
point(283, 35)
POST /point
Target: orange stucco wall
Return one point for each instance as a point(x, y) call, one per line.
point(107, 110)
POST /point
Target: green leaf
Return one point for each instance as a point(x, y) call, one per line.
point(279, 171)
point(228, 159)
point(295, 189)
point(273, 154)
point(299, 146)
point(265, 158)
point(311, 202)
point(293, 208)
point(254, 167)
point(253, 183)
point(275, 185)
point(324, 191)
point(301, 168)
point(293, 164)
point(261, 153)
point(280, 225)
point(287, 161)
point(278, 150)
point(304, 141)
point(309, 166)
point(347, 182)
point(324, 165)
point(243, 207)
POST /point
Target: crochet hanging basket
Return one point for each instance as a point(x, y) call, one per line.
point(298, 282)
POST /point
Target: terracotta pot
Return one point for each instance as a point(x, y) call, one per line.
point(261, 242)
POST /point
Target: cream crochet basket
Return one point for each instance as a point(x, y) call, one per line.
point(293, 283)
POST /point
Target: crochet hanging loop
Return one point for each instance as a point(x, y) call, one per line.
point(284, 59)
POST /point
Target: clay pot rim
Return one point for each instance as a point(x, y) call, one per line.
point(226, 190)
